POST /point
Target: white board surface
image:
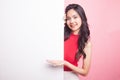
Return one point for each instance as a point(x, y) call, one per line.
point(31, 31)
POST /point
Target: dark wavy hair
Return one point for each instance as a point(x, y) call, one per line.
point(84, 32)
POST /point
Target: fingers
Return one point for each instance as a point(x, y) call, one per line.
point(56, 62)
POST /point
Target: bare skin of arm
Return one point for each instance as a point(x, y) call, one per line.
point(86, 62)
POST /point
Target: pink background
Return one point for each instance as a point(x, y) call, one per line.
point(103, 18)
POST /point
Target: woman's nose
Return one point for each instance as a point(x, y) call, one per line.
point(71, 20)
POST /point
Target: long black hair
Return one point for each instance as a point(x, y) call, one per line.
point(84, 32)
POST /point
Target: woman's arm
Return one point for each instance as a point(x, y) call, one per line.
point(86, 62)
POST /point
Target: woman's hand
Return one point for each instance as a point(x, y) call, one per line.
point(56, 63)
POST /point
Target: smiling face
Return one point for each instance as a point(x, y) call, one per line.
point(73, 21)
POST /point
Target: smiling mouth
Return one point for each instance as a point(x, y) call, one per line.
point(72, 26)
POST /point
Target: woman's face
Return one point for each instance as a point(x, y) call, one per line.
point(73, 21)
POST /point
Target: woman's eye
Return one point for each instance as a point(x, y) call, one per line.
point(67, 19)
point(75, 17)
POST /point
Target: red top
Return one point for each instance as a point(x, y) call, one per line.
point(70, 49)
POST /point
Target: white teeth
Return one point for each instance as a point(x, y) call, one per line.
point(72, 25)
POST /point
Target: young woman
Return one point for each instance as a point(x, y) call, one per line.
point(77, 43)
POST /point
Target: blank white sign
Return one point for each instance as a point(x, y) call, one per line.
point(31, 31)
